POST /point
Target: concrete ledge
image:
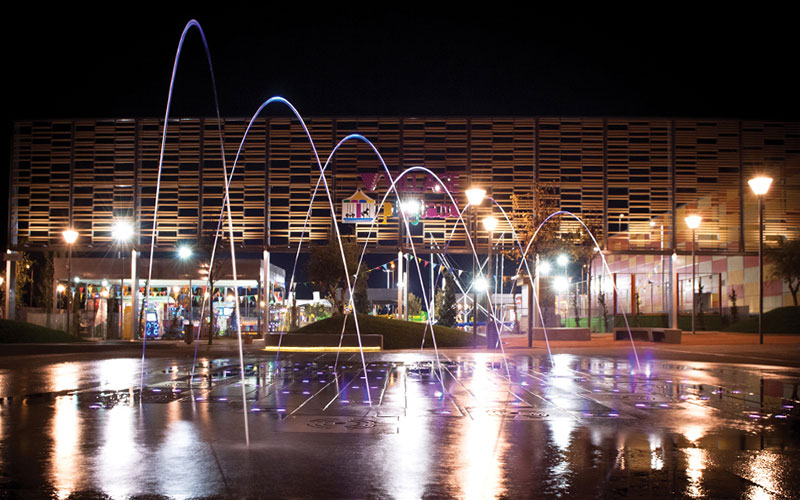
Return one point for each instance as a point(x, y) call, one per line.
point(562, 333)
point(308, 340)
point(666, 335)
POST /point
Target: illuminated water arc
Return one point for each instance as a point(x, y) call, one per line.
point(602, 257)
point(229, 179)
point(393, 188)
point(189, 25)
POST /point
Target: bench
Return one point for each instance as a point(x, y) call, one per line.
point(666, 335)
point(561, 333)
point(323, 340)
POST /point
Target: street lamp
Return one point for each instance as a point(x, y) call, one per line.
point(184, 252)
point(490, 224)
point(122, 232)
point(70, 236)
point(760, 185)
point(693, 221)
point(562, 260)
point(475, 197)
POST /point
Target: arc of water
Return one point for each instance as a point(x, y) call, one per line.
point(602, 257)
point(391, 189)
point(189, 25)
point(275, 99)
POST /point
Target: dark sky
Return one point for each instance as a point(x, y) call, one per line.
point(410, 62)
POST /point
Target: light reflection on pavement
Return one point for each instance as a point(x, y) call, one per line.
point(580, 426)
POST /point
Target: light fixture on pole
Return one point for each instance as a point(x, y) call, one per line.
point(760, 185)
point(70, 237)
point(693, 221)
point(122, 232)
point(475, 197)
point(490, 224)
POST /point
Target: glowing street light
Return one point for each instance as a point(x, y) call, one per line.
point(562, 260)
point(760, 185)
point(475, 195)
point(122, 231)
point(60, 288)
point(481, 284)
point(490, 223)
point(411, 207)
point(544, 268)
point(184, 252)
point(70, 237)
point(693, 221)
point(561, 284)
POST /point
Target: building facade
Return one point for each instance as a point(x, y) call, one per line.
point(636, 177)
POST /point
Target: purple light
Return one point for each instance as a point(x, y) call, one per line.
point(780, 416)
point(156, 390)
point(306, 392)
point(284, 392)
point(199, 399)
point(754, 415)
point(95, 406)
point(223, 399)
point(664, 405)
point(305, 381)
point(788, 407)
point(356, 387)
point(641, 405)
point(281, 410)
point(525, 384)
point(613, 414)
point(256, 409)
point(345, 401)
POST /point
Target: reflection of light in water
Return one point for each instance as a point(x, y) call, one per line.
point(482, 443)
point(696, 459)
point(66, 436)
point(180, 447)
point(480, 446)
point(407, 475)
point(656, 452)
point(761, 471)
point(561, 431)
point(118, 373)
point(695, 465)
point(64, 376)
point(119, 456)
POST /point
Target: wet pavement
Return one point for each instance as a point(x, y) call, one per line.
point(472, 426)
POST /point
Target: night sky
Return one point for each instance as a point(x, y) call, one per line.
point(412, 62)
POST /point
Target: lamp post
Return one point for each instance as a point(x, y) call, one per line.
point(693, 221)
point(121, 231)
point(490, 224)
point(760, 185)
point(475, 197)
point(70, 236)
point(184, 253)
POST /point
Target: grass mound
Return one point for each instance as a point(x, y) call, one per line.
point(780, 320)
point(397, 334)
point(16, 332)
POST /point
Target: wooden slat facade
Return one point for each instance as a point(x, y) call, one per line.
point(625, 172)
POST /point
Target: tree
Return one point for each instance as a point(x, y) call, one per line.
point(734, 307)
point(414, 305)
point(326, 271)
point(361, 295)
point(527, 213)
point(23, 276)
point(446, 303)
point(785, 259)
point(582, 250)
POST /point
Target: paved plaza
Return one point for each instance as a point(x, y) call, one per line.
point(465, 425)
